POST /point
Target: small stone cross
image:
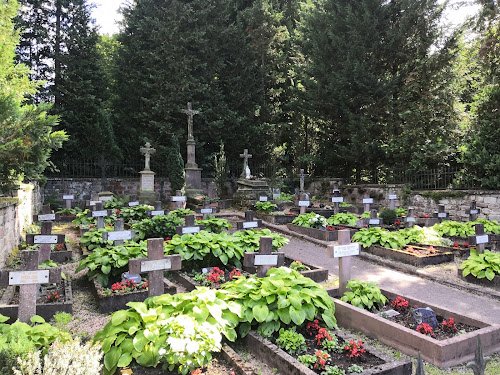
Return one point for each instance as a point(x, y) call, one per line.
point(119, 235)
point(147, 150)
point(190, 112)
point(67, 199)
point(303, 203)
point(179, 199)
point(410, 218)
point(28, 279)
point(374, 221)
point(157, 211)
point(336, 199)
point(367, 201)
point(45, 238)
point(249, 222)
point(264, 260)
point(480, 239)
point(206, 210)
point(155, 264)
point(441, 215)
point(302, 177)
point(344, 250)
point(100, 214)
point(189, 226)
point(473, 212)
point(392, 199)
point(245, 157)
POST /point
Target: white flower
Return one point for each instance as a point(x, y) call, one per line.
point(162, 351)
point(177, 345)
point(192, 347)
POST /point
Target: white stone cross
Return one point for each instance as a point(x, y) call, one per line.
point(190, 112)
point(345, 250)
point(302, 177)
point(392, 199)
point(155, 264)
point(245, 157)
point(147, 150)
point(264, 259)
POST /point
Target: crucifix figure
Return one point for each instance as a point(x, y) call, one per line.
point(245, 157)
point(302, 177)
point(147, 150)
point(190, 112)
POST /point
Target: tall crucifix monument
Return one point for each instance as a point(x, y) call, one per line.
point(193, 173)
point(147, 188)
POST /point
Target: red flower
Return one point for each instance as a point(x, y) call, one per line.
point(465, 244)
point(234, 273)
point(397, 222)
point(425, 329)
point(117, 212)
point(426, 216)
point(455, 244)
point(353, 349)
point(399, 304)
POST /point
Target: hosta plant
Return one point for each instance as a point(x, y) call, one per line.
point(481, 265)
point(134, 214)
point(265, 207)
point(379, 236)
point(310, 220)
point(342, 219)
point(92, 239)
point(249, 239)
point(161, 226)
point(365, 295)
point(214, 224)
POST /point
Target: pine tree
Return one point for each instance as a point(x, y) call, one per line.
point(175, 166)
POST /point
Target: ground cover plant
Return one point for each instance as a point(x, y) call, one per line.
point(265, 207)
point(457, 229)
point(485, 265)
point(214, 224)
point(310, 220)
point(365, 295)
point(134, 214)
point(342, 219)
point(160, 226)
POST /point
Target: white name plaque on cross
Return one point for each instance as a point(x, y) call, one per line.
point(304, 203)
point(156, 213)
point(393, 197)
point(374, 221)
point(178, 199)
point(44, 238)
point(93, 203)
point(68, 197)
point(263, 199)
point(133, 204)
point(442, 214)
point(186, 230)
point(102, 213)
point(250, 224)
point(482, 239)
point(337, 199)
point(46, 217)
point(206, 211)
point(474, 212)
point(352, 249)
point(29, 277)
point(367, 200)
point(410, 219)
point(266, 260)
point(120, 235)
point(156, 265)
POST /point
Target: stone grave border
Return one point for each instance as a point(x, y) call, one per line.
point(322, 235)
point(441, 353)
point(412, 259)
point(118, 301)
point(45, 310)
point(275, 357)
point(494, 284)
point(276, 219)
point(494, 243)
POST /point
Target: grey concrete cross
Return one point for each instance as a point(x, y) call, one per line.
point(441, 215)
point(119, 235)
point(179, 199)
point(367, 201)
point(303, 203)
point(147, 150)
point(249, 222)
point(155, 264)
point(245, 157)
point(100, 214)
point(67, 199)
point(264, 259)
point(190, 112)
point(158, 210)
point(410, 218)
point(189, 226)
point(28, 279)
point(336, 199)
point(392, 199)
point(45, 239)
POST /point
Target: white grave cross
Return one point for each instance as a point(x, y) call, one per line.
point(344, 251)
point(245, 157)
point(147, 150)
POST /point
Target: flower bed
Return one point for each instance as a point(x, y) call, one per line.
point(419, 257)
point(442, 353)
point(315, 273)
point(45, 307)
point(494, 284)
point(318, 234)
point(273, 356)
point(278, 219)
point(109, 302)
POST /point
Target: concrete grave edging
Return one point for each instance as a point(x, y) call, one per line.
point(495, 283)
point(415, 260)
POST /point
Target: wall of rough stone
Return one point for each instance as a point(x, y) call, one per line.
point(16, 213)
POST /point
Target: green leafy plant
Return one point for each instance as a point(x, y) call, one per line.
point(209, 199)
point(92, 239)
point(181, 212)
point(249, 239)
point(481, 265)
point(291, 341)
point(345, 204)
point(365, 215)
point(332, 370)
point(117, 202)
point(297, 265)
point(401, 211)
point(388, 216)
point(284, 197)
point(265, 207)
point(365, 295)
point(307, 360)
point(379, 236)
point(310, 220)
point(161, 226)
point(355, 369)
point(134, 214)
point(214, 224)
point(83, 219)
point(69, 211)
point(342, 219)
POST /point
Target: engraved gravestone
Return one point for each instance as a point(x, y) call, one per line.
point(426, 315)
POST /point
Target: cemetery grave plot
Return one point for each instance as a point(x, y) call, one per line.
point(482, 269)
point(277, 218)
point(442, 353)
point(416, 255)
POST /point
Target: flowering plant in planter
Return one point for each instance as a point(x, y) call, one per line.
point(400, 304)
point(449, 325)
point(311, 220)
point(53, 297)
point(127, 286)
point(425, 329)
point(354, 349)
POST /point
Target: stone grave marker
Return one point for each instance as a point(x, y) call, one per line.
point(106, 198)
point(45, 239)
point(249, 222)
point(302, 176)
point(367, 201)
point(303, 203)
point(344, 251)
point(134, 203)
point(119, 235)
point(28, 279)
point(473, 211)
point(480, 239)
point(263, 197)
point(189, 226)
point(264, 259)
point(426, 315)
point(336, 199)
point(157, 210)
point(147, 150)
point(179, 199)
point(67, 200)
point(374, 221)
point(276, 193)
point(246, 168)
point(441, 215)
point(392, 199)
point(100, 214)
point(155, 264)
point(206, 210)
point(410, 218)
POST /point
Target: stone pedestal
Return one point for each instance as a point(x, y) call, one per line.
point(250, 189)
point(147, 189)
